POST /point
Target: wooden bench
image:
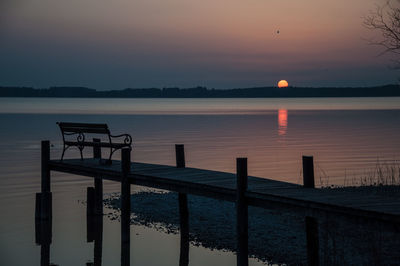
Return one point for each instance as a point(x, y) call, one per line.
point(73, 135)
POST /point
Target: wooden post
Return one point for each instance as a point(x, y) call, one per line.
point(312, 241)
point(45, 166)
point(96, 149)
point(98, 240)
point(46, 206)
point(45, 198)
point(241, 212)
point(38, 202)
point(183, 210)
point(98, 181)
point(308, 172)
point(45, 255)
point(90, 202)
point(98, 209)
point(43, 238)
point(42, 226)
point(125, 206)
point(184, 226)
point(180, 155)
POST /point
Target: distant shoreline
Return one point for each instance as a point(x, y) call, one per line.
point(390, 90)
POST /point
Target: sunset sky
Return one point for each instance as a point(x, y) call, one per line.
point(116, 44)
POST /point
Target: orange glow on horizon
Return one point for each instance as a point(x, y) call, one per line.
point(283, 84)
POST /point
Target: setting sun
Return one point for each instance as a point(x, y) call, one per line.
point(283, 83)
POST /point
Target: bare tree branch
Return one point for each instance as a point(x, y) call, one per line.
point(385, 19)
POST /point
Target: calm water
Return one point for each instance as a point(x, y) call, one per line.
point(347, 137)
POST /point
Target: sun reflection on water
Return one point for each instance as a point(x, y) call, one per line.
point(282, 122)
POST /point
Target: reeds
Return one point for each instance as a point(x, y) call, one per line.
point(384, 173)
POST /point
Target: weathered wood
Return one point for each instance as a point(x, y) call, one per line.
point(180, 155)
point(98, 197)
point(308, 172)
point(96, 148)
point(90, 206)
point(38, 202)
point(98, 182)
point(90, 201)
point(45, 166)
point(45, 255)
point(45, 197)
point(273, 194)
point(43, 236)
point(312, 241)
point(183, 210)
point(94, 144)
point(46, 206)
point(98, 219)
point(72, 124)
point(98, 240)
point(241, 212)
point(125, 206)
point(184, 228)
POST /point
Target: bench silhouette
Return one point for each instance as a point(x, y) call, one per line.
point(71, 130)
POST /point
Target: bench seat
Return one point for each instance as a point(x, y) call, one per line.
point(73, 135)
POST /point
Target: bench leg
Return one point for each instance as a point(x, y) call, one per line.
point(80, 150)
point(62, 155)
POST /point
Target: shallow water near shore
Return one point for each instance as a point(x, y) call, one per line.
point(347, 137)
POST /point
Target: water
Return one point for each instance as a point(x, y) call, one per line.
point(347, 137)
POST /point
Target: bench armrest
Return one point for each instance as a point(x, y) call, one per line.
point(80, 138)
point(127, 138)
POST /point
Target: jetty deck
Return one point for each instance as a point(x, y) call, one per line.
point(358, 206)
point(261, 192)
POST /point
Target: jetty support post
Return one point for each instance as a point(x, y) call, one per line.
point(308, 172)
point(45, 196)
point(98, 240)
point(312, 241)
point(43, 213)
point(311, 223)
point(183, 211)
point(98, 181)
point(241, 213)
point(45, 242)
point(90, 225)
point(98, 208)
point(180, 155)
point(125, 206)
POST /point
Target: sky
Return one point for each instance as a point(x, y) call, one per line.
point(118, 44)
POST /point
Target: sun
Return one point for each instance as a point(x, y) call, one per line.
point(283, 84)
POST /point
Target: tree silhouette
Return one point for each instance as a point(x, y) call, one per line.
point(385, 19)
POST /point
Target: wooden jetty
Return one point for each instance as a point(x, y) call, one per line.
point(240, 188)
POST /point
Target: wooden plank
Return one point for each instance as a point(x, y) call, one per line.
point(265, 193)
point(98, 144)
point(72, 124)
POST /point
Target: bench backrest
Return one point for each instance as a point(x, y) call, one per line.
point(83, 128)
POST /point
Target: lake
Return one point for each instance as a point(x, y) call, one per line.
point(350, 138)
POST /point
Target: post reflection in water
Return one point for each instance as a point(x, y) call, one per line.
point(94, 222)
point(43, 228)
point(282, 122)
point(43, 238)
point(95, 234)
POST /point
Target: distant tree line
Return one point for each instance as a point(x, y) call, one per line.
point(202, 92)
